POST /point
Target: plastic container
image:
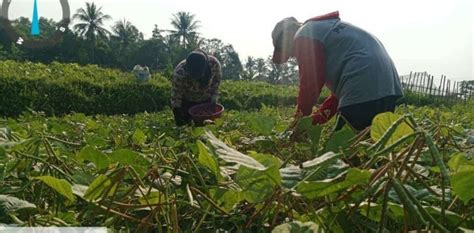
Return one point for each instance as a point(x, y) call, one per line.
point(207, 111)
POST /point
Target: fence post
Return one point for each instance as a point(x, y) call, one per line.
point(448, 91)
point(431, 78)
point(438, 95)
point(412, 86)
point(408, 81)
point(444, 89)
point(420, 84)
point(423, 87)
point(455, 90)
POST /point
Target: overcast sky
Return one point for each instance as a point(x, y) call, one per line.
point(420, 35)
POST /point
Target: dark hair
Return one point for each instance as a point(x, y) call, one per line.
point(197, 66)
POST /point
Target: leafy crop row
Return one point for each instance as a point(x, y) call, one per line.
point(58, 89)
point(411, 171)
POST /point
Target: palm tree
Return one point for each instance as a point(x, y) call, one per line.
point(185, 25)
point(126, 33)
point(156, 33)
point(91, 22)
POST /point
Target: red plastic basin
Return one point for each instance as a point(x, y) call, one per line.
point(206, 111)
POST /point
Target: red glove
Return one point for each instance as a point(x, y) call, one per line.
point(327, 110)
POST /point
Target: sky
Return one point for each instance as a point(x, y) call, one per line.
point(420, 35)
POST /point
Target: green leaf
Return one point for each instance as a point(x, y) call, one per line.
point(305, 126)
point(100, 187)
point(340, 139)
point(462, 183)
point(153, 198)
point(296, 227)
point(382, 123)
point(139, 137)
point(452, 217)
point(322, 160)
point(128, 157)
point(98, 158)
point(59, 185)
point(92, 125)
point(331, 170)
point(317, 189)
point(79, 190)
point(231, 155)
point(291, 175)
point(459, 159)
point(3, 154)
point(11, 205)
point(314, 134)
point(78, 117)
point(395, 211)
point(226, 198)
point(262, 124)
point(207, 160)
point(197, 132)
point(257, 185)
point(272, 164)
point(96, 140)
point(68, 217)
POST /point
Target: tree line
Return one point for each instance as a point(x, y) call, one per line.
point(88, 41)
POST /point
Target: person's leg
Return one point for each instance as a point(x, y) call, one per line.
point(354, 115)
point(390, 103)
point(186, 106)
point(180, 117)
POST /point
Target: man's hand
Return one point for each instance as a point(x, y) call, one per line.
point(295, 121)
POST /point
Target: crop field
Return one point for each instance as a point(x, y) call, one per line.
point(412, 170)
point(93, 95)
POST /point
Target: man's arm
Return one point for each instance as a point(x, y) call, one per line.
point(177, 90)
point(312, 70)
point(216, 71)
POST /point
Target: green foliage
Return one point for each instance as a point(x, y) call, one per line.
point(207, 160)
point(389, 128)
point(10, 205)
point(462, 183)
point(127, 157)
point(256, 184)
point(98, 158)
point(262, 124)
point(296, 227)
point(142, 172)
point(139, 137)
point(339, 140)
point(102, 186)
point(64, 88)
point(59, 185)
point(316, 189)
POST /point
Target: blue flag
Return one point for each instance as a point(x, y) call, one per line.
point(35, 27)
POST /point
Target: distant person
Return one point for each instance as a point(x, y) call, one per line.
point(142, 73)
point(352, 63)
point(195, 81)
